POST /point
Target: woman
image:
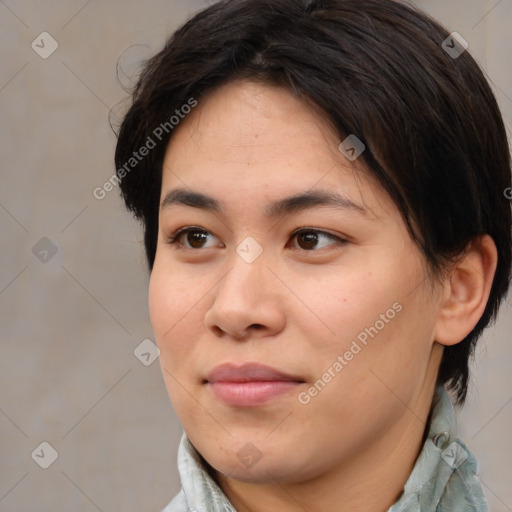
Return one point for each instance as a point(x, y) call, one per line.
point(321, 185)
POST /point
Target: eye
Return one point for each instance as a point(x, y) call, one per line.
point(194, 238)
point(309, 239)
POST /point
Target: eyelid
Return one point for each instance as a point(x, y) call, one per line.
point(319, 231)
point(336, 238)
point(173, 239)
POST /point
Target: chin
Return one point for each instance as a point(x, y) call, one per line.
point(253, 466)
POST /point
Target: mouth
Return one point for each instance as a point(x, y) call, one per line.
point(250, 384)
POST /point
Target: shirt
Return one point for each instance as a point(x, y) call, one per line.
point(443, 478)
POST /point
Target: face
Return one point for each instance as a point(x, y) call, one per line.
point(295, 308)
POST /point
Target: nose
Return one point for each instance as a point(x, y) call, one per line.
point(247, 302)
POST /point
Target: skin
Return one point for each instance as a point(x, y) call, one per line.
point(298, 307)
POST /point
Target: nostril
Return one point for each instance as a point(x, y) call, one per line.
point(217, 330)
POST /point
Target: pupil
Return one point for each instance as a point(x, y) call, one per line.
point(309, 239)
point(195, 238)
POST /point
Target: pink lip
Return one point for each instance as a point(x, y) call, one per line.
point(249, 384)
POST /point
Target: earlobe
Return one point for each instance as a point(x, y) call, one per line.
point(466, 291)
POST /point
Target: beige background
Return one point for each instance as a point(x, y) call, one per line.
point(68, 375)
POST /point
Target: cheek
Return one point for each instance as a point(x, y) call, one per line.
point(171, 299)
point(178, 302)
point(175, 315)
point(340, 307)
point(372, 313)
point(161, 297)
point(175, 323)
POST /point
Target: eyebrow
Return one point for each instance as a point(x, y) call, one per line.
point(286, 206)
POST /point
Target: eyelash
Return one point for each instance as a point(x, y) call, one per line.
point(174, 238)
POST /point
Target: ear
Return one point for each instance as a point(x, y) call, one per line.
point(466, 291)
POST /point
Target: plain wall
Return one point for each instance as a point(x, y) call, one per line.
point(69, 326)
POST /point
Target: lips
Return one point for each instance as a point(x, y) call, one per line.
point(248, 372)
point(250, 384)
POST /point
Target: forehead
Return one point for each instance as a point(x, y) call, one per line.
point(255, 121)
point(247, 138)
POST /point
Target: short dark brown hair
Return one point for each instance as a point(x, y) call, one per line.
point(433, 132)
